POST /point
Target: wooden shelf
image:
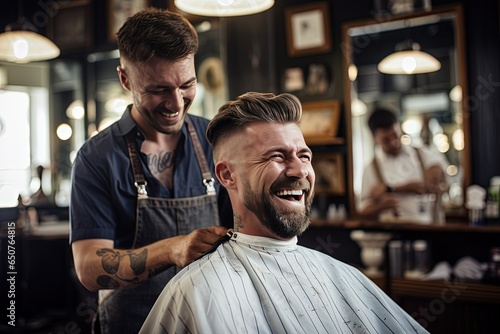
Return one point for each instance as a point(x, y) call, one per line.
point(450, 226)
point(464, 291)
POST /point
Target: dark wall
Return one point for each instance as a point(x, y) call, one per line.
point(483, 41)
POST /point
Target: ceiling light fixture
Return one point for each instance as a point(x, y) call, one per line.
point(223, 8)
point(408, 59)
point(20, 43)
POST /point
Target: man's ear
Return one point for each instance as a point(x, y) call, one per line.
point(224, 174)
point(123, 78)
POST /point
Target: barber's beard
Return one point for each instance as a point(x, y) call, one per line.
point(285, 223)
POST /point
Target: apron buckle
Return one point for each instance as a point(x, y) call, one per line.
point(141, 189)
point(209, 184)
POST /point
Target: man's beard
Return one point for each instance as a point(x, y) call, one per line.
point(285, 223)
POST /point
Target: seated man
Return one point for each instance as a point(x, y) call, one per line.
point(261, 281)
point(402, 183)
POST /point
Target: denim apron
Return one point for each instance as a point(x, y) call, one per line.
point(124, 310)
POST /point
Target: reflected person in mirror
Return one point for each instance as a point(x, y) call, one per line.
point(260, 280)
point(402, 183)
point(144, 198)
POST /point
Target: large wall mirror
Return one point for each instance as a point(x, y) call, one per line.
point(431, 107)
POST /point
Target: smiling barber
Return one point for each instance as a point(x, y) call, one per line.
point(144, 199)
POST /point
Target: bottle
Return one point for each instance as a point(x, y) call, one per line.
point(493, 273)
point(475, 204)
point(396, 258)
point(492, 212)
point(420, 253)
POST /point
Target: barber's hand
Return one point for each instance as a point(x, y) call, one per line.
point(435, 180)
point(378, 190)
point(414, 188)
point(386, 202)
point(183, 249)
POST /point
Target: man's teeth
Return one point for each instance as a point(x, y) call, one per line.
point(170, 115)
point(289, 192)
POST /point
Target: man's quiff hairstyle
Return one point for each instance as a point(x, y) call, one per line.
point(156, 32)
point(251, 107)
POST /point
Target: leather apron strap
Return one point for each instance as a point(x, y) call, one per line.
point(208, 180)
point(140, 181)
point(376, 166)
point(419, 155)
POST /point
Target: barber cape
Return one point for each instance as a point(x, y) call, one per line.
point(260, 285)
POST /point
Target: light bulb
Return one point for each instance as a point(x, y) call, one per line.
point(64, 131)
point(409, 64)
point(225, 2)
point(75, 110)
point(20, 48)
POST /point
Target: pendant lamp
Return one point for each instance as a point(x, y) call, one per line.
point(223, 7)
point(408, 59)
point(20, 43)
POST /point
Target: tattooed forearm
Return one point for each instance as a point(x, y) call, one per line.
point(156, 271)
point(160, 162)
point(238, 221)
point(111, 261)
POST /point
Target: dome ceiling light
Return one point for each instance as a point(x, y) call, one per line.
point(408, 59)
point(223, 8)
point(20, 43)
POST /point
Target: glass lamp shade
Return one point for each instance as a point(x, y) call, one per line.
point(223, 7)
point(409, 62)
point(23, 46)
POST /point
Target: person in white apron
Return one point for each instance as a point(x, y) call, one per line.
point(144, 199)
point(402, 183)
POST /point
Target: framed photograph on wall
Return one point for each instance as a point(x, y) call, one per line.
point(320, 120)
point(72, 28)
point(308, 81)
point(119, 11)
point(308, 29)
point(329, 170)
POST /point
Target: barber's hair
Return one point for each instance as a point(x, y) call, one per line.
point(251, 107)
point(156, 32)
point(381, 119)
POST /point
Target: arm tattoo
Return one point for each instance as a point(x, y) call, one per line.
point(238, 221)
point(160, 162)
point(111, 260)
point(156, 271)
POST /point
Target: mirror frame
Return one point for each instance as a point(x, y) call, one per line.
point(455, 10)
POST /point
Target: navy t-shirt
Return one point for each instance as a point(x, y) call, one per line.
point(103, 194)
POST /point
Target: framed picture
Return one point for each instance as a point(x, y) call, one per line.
point(119, 11)
point(329, 170)
point(309, 81)
point(308, 29)
point(398, 7)
point(320, 120)
point(72, 28)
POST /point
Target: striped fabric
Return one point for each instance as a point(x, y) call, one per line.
point(260, 285)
